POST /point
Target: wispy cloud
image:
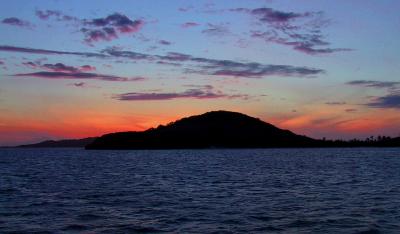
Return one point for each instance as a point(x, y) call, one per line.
point(197, 92)
point(114, 52)
point(375, 84)
point(48, 52)
point(391, 100)
point(164, 42)
point(216, 30)
point(217, 67)
point(189, 24)
point(185, 9)
point(57, 15)
point(191, 64)
point(270, 15)
point(59, 67)
point(17, 22)
point(300, 31)
point(98, 29)
point(252, 70)
point(335, 103)
point(77, 75)
point(79, 84)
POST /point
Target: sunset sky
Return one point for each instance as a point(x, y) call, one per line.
point(74, 69)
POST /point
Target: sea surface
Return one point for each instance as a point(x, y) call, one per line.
point(200, 191)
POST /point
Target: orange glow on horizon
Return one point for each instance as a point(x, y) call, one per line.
point(62, 124)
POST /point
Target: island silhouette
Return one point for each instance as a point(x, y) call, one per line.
point(222, 129)
point(215, 129)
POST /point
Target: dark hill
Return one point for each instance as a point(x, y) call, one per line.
point(73, 143)
point(216, 129)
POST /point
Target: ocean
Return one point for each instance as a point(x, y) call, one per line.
point(337, 190)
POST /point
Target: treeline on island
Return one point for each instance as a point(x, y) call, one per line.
point(372, 141)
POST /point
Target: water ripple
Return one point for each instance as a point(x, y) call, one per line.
point(200, 191)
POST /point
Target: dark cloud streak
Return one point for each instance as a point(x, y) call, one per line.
point(199, 65)
point(391, 100)
point(335, 103)
point(375, 84)
point(17, 22)
point(189, 25)
point(195, 93)
point(216, 30)
point(388, 101)
point(77, 75)
point(217, 67)
point(49, 52)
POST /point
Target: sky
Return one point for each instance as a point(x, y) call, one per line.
point(74, 69)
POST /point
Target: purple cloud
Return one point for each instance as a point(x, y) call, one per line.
point(252, 70)
point(190, 64)
point(169, 63)
point(272, 16)
point(119, 21)
point(195, 93)
point(109, 28)
point(375, 84)
point(173, 56)
point(79, 84)
point(207, 66)
point(48, 52)
point(308, 49)
point(77, 75)
point(86, 68)
point(301, 31)
point(99, 29)
point(59, 67)
point(185, 9)
point(104, 34)
point(3, 65)
point(31, 65)
point(391, 100)
point(114, 52)
point(216, 30)
point(189, 25)
point(164, 42)
point(58, 15)
point(82, 85)
point(17, 22)
point(388, 101)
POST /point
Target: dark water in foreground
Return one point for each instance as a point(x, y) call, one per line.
point(200, 191)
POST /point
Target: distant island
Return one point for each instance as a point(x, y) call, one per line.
point(215, 129)
point(222, 129)
point(68, 143)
